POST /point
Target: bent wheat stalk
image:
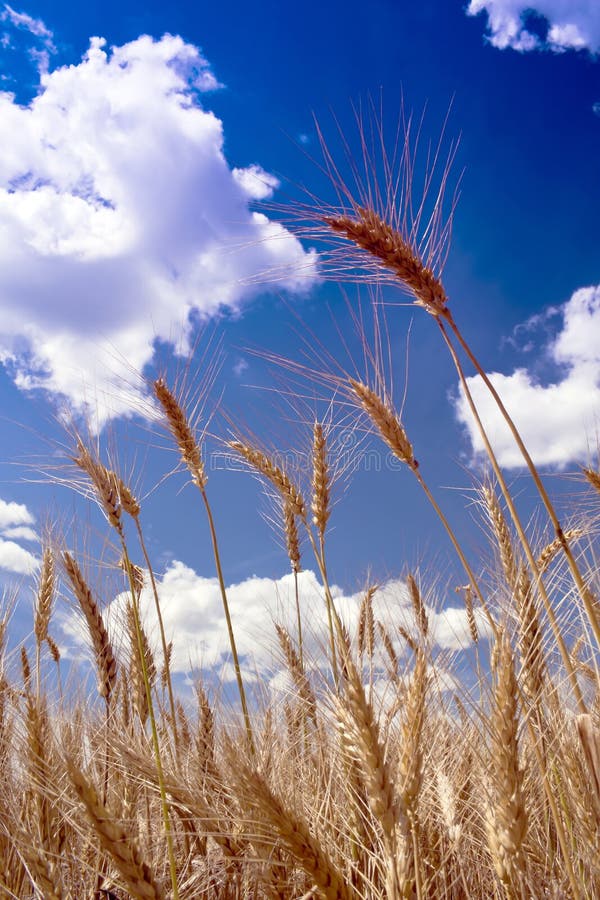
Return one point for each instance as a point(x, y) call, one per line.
point(371, 233)
point(532, 562)
point(190, 454)
point(392, 432)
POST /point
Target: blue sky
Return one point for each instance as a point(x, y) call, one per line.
point(132, 173)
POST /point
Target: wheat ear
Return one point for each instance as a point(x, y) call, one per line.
point(379, 239)
point(263, 465)
point(503, 537)
point(296, 670)
point(292, 542)
point(293, 833)
point(136, 670)
point(105, 485)
point(361, 740)
point(531, 645)
point(181, 431)
point(105, 658)
point(393, 434)
point(321, 480)
point(507, 817)
point(113, 838)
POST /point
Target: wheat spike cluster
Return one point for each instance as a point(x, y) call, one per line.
point(388, 767)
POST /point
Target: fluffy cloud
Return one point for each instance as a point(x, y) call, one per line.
point(12, 513)
point(121, 221)
point(14, 558)
point(571, 24)
point(559, 421)
point(15, 522)
point(193, 615)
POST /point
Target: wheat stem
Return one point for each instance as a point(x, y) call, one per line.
point(539, 584)
point(582, 587)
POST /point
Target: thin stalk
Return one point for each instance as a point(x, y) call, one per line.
point(558, 824)
point(329, 599)
point(103, 867)
point(299, 619)
point(153, 728)
point(583, 589)
point(331, 610)
point(38, 662)
point(450, 532)
point(416, 860)
point(161, 628)
point(234, 653)
point(519, 527)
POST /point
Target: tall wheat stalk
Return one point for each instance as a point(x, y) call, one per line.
point(191, 456)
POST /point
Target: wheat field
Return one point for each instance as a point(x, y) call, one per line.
point(371, 778)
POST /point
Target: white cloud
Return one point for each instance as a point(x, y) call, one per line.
point(35, 32)
point(240, 366)
point(26, 22)
point(572, 24)
point(257, 183)
point(121, 220)
point(16, 559)
point(21, 532)
point(559, 421)
point(193, 615)
point(12, 513)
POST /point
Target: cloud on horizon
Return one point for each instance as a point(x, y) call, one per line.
point(559, 421)
point(571, 24)
point(193, 615)
point(122, 223)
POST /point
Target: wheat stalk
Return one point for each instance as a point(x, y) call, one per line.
point(190, 454)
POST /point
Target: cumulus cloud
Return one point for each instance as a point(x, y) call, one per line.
point(193, 615)
point(571, 24)
point(14, 558)
point(559, 421)
point(121, 221)
point(12, 513)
